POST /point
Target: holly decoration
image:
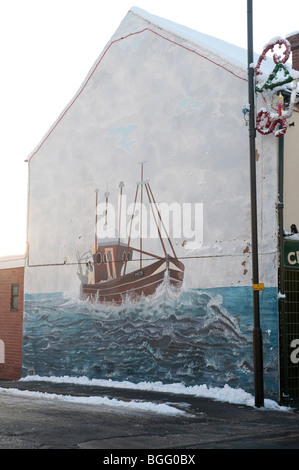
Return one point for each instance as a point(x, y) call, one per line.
point(273, 79)
point(268, 121)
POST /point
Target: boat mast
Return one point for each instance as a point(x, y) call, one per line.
point(96, 223)
point(160, 218)
point(154, 208)
point(96, 233)
point(147, 187)
point(121, 185)
point(107, 194)
point(141, 221)
point(129, 239)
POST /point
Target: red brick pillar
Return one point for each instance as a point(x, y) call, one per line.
point(11, 322)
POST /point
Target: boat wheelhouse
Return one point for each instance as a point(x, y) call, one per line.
point(112, 273)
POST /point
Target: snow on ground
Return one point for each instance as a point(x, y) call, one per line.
point(226, 394)
point(98, 401)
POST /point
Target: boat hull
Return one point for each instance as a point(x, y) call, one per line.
point(142, 282)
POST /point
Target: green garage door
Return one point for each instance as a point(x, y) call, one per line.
point(289, 324)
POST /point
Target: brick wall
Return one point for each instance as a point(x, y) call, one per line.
point(294, 41)
point(11, 324)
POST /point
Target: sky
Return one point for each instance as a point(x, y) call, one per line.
point(49, 46)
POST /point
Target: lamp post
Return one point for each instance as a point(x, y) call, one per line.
point(257, 332)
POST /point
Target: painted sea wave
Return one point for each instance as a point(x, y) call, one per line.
point(197, 337)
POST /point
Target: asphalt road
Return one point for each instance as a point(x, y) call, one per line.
point(43, 423)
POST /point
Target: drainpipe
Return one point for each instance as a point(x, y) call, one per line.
point(280, 206)
point(284, 393)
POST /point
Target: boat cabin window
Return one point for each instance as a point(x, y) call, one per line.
point(99, 258)
point(126, 255)
point(107, 257)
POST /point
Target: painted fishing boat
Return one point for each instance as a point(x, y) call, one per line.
point(107, 279)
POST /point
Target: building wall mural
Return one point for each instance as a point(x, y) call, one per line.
point(116, 288)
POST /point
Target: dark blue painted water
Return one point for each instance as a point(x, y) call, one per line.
point(198, 337)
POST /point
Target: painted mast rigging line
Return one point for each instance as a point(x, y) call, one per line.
point(78, 263)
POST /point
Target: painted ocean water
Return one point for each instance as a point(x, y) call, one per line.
point(197, 337)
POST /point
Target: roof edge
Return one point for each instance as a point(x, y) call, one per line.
point(217, 47)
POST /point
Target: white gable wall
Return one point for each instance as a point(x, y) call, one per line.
point(153, 96)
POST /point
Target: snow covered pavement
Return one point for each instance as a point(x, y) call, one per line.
point(41, 413)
